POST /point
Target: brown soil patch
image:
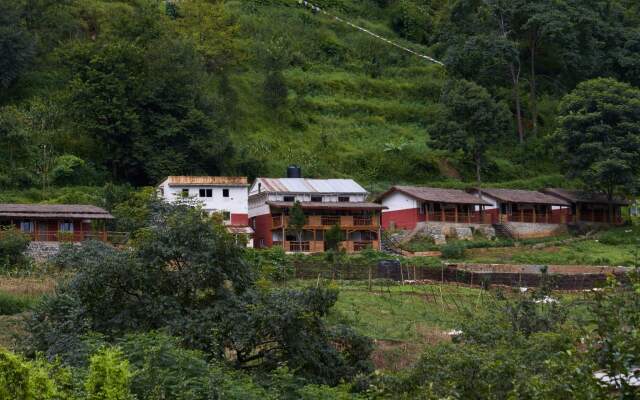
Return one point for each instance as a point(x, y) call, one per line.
point(27, 286)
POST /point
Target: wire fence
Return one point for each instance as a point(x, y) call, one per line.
point(451, 274)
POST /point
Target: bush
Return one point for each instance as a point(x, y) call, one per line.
point(454, 250)
point(109, 376)
point(10, 304)
point(13, 244)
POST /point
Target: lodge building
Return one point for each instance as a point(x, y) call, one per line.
point(56, 222)
point(325, 202)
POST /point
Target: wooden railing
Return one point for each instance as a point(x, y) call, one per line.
point(361, 245)
point(330, 220)
point(299, 246)
point(77, 236)
point(362, 221)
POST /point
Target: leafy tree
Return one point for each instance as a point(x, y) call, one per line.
point(471, 123)
point(109, 376)
point(275, 90)
point(297, 220)
point(17, 45)
point(599, 129)
point(13, 245)
point(333, 237)
point(185, 275)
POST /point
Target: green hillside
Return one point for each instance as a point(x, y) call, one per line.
point(129, 91)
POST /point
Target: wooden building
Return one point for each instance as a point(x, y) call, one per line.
point(56, 222)
point(525, 206)
point(406, 206)
point(589, 207)
point(326, 203)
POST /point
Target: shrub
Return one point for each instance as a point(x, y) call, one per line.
point(13, 244)
point(109, 376)
point(453, 250)
point(10, 304)
point(24, 380)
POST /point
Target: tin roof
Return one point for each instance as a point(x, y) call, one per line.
point(578, 196)
point(305, 185)
point(330, 205)
point(454, 196)
point(523, 196)
point(239, 229)
point(207, 180)
point(53, 211)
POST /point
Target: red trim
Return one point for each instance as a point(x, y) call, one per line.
point(239, 219)
point(262, 226)
point(401, 219)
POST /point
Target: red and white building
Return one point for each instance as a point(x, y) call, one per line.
point(225, 195)
point(406, 206)
point(325, 202)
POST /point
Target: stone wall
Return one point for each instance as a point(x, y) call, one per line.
point(526, 230)
point(42, 251)
point(439, 231)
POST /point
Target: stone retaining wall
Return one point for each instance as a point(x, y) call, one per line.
point(527, 230)
point(42, 251)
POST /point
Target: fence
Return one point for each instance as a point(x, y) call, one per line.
point(452, 274)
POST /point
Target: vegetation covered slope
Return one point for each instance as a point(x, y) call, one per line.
point(131, 91)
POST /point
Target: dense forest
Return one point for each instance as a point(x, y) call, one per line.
point(95, 91)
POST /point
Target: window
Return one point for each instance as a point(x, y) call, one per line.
point(290, 198)
point(316, 199)
point(27, 226)
point(206, 192)
point(184, 193)
point(226, 215)
point(343, 199)
point(66, 226)
point(225, 192)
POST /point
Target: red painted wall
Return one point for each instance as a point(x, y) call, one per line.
point(239, 219)
point(402, 219)
point(262, 227)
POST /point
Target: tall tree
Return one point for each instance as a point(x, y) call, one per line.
point(297, 220)
point(471, 123)
point(599, 129)
point(17, 45)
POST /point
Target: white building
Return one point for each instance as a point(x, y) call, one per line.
point(226, 195)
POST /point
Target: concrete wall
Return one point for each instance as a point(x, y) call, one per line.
point(526, 230)
point(236, 204)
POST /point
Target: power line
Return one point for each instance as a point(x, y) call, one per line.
point(315, 8)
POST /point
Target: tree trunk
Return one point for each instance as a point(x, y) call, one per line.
point(515, 78)
point(533, 96)
point(478, 162)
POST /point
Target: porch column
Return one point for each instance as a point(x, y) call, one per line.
point(441, 214)
point(455, 213)
point(534, 213)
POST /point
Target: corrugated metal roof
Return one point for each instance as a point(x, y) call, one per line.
point(304, 185)
point(54, 211)
point(454, 196)
point(239, 229)
point(207, 180)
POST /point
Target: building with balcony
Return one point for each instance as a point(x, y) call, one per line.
point(523, 206)
point(326, 203)
point(408, 206)
point(57, 222)
point(588, 207)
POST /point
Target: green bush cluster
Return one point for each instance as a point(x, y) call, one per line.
point(13, 245)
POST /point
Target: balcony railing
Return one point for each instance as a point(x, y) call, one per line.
point(299, 247)
point(76, 236)
point(330, 220)
point(362, 221)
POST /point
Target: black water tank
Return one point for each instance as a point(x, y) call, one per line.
point(293, 171)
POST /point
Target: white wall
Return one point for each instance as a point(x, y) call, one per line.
point(236, 203)
point(399, 201)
